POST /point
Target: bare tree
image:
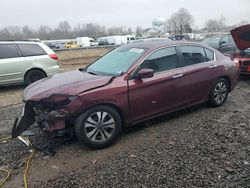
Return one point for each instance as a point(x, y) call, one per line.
point(63, 30)
point(28, 33)
point(216, 25)
point(138, 31)
point(44, 32)
point(180, 22)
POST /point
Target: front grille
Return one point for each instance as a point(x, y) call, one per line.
point(246, 63)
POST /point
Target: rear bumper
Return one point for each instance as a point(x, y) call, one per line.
point(53, 70)
point(244, 69)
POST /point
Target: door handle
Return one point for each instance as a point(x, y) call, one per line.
point(177, 76)
point(212, 66)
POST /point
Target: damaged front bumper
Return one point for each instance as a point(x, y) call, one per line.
point(49, 116)
point(28, 118)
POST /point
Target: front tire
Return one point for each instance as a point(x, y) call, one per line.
point(219, 93)
point(98, 127)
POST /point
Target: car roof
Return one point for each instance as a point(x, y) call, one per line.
point(154, 43)
point(24, 41)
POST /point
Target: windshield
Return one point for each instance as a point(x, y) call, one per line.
point(115, 62)
point(212, 40)
point(246, 53)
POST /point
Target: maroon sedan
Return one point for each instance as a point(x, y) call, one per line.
point(130, 84)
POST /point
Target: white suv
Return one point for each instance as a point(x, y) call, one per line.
point(26, 62)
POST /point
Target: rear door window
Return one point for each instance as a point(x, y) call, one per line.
point(192, 55)
point(161, 60)
point(8, 51)
point(31, 49)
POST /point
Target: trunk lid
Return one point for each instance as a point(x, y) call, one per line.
point(241, 36)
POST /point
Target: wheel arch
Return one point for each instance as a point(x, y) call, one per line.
point(228, 81)
point(25, 74)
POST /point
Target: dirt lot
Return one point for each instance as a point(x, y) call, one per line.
point(196, 147)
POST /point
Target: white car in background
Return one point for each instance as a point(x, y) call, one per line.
point(26, 62)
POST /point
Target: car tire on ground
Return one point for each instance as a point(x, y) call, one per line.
point(219, 93)
point(33, 76)
point(98, 127)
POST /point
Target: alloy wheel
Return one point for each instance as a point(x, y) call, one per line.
point(220, 92)
point(99, 126)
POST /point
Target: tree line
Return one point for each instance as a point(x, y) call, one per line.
point(63, 31)
point(179, 22)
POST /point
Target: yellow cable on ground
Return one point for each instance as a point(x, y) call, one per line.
point(5, 179)
point(1, 169)
point(27, 168)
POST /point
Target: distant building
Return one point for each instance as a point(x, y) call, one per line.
point(150, 32)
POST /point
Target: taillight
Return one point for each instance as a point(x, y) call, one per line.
point(53, 56)
point(237, 63)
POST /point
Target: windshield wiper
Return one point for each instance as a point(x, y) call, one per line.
point(85, 70)
point(91, 73)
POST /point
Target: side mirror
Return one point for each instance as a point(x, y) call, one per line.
point(145, 73)
point(222, 43)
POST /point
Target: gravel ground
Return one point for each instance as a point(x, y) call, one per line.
point(196, 147)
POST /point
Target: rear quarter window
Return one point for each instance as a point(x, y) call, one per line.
point(209, 54)
point(8, 51)
point(31, 49)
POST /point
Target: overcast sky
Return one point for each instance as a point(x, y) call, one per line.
point(129, 13)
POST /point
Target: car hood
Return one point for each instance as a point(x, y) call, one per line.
point(241, 36)
point(68, 83)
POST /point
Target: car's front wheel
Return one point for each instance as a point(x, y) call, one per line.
point(219, 93)
point(98, 127)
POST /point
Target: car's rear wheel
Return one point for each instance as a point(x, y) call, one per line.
point(98, 127)
point(219, 93)
point(33, 76)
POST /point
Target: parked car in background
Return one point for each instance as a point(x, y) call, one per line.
point(179, 37)
point(241, 36)
point(71, 44)
point(134, 82)
point(83, 41)
point(224, 43)
point(102, 41)
point(52, 45)
point(93, 42)
point(26, 62)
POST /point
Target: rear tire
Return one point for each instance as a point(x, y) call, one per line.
point(219, 93)
point(33, 76)
point(98, 127)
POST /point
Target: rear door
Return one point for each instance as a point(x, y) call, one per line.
point(12, 64)
point(162, 92)
point(200, 71)
point(36, 56)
